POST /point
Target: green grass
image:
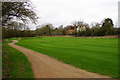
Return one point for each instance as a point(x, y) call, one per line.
point(15, 64)
point(14, 38)
point(94, 55)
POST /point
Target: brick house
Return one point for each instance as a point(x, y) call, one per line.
point(71, 29)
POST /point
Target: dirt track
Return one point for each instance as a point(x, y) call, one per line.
point(46, 67)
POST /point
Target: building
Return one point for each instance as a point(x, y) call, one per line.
point(81, 28)
point(72, 29)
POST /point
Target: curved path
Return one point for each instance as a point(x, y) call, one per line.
point(46, 67)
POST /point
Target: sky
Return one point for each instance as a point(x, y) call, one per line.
point(65, 12)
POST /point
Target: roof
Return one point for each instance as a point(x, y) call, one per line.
point(72, 27)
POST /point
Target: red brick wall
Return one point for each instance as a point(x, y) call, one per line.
point(70, 31)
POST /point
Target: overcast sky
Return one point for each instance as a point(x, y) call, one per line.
point(64, 12)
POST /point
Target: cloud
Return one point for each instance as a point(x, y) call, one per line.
point(64, 12)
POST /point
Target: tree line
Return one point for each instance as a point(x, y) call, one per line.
point(106, 27)
point(16, 15)
point(16, 29)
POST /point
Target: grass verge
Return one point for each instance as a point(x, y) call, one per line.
point(14, 63)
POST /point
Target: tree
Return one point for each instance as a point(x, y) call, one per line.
point(5, 32)
point(13, 29)
point(46, 29)
point(15, 16)
point(22, 11)
point(80, 24)
point(56, 31)
point(107, 26)
point(96, 29)
point(60, 30)
point(88, 31)
point(60, 27)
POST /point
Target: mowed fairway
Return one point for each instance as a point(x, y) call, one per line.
point(92, 54)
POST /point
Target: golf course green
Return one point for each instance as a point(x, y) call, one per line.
point(98, 55)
